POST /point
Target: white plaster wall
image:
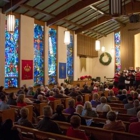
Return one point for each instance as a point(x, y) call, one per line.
point(137, 50)
point(93, 66)
point(2, 48)
point(61, 50)
point(26, 44)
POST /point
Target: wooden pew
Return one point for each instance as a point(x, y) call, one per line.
point(30, 107)
point(124, 117)
point(86, 97)
point(39, 107)
point(40, 135)
point(7, 114)
point(102, 134)
point(67, 102)
point(118, 105)
point(119, 110)
point(54, 103)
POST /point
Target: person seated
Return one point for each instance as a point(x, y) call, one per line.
point(21, 100)
point(12, 99)
point(57, 93)
point(88, 111)
point(129, 104)
point(79, 99)
point(115, 89)
point(103, 107)
point(95, 99)
point(24, 112)
point(135, 95)
point(25, 88)
point(74, 92)
point(3, 104)
point(51, 96)
point(71, 108)
point(135, 126)
point(75, 131)
point(46, 124)
point(62, 92)
point(133, 111)
point(2, 90)
point(111, 96)
point(40, 99)
point(58, 116)
point(8, 132)
point(31, 91)
point(112, 123)
point(91, 87)
point(38, 91)
point(79, 109)
point(122, 94)
point(85, 90)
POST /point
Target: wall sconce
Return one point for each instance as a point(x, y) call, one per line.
point(10, 23)
point(115, 7)
point(67, 37)
point(103, 49)
point(97, 45)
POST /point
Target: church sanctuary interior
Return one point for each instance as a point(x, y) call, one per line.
point(69, 69)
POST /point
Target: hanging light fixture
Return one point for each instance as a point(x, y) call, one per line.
point(103, 49)
point(97, 45)
point(67, 37)
point(115, 7)
point(11, 21)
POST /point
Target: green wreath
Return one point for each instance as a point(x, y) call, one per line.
point(109, 58)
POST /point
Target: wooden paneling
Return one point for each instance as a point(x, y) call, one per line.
point(127, 44)
point(86, 46)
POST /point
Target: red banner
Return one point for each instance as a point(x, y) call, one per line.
point(27, 69)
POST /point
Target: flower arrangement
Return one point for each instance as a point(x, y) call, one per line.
point(85, 77)
point(67, 80)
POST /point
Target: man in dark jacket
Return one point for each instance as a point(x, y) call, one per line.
point(46, 124)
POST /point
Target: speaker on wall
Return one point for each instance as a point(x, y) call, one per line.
point(134, 18)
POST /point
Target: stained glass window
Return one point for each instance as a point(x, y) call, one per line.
point(52, 56)
point(70, 58)
point(38, 54)
point(12, 56)
point(117, 51)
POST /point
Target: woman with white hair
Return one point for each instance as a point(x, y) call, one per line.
point(88, 111)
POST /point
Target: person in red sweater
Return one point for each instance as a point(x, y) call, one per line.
point(74, 131)
point(21, 100)
point(135, 126)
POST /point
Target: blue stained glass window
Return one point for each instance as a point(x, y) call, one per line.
point(12, 56)
point(117, 38)
point(70, 58)
point(52, 56)
point(38, 54)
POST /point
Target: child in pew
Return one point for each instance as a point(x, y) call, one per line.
point(112, 123)
point(24, 118)
point(75, 131)
point(3, 103)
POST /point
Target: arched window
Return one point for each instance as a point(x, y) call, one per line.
point(38, 54)
point(52, 56)
point(12, 56)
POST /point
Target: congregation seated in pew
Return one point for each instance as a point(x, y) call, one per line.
point(3, 103)
point(12, 99)
point(75, 131)
point(112, 123)
point(71, 108)
point(24, 112)
point(47, 124)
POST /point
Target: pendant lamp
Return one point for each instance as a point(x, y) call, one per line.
point(67, 37)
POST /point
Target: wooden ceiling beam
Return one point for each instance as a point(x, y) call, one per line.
point(36, 10)
point(78, 6)
point(129, 10)
point(11, 6)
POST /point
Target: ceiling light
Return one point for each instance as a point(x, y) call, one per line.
point(67, 37)
point(97, 45)
point(10, 23)
point(103, 49)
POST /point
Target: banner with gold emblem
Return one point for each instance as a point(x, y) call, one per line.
point(27, 69)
